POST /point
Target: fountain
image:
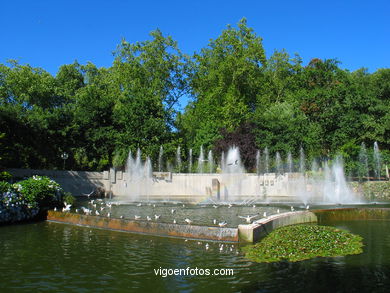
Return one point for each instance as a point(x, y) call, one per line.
point(233, 184)
point(178, 160)
point(289, 163)
point(160, 159)
point(190, 161)
point(377, 161)
point(210, 161)
point(363, 161)
point(258, 162)
point(201, 160)
point(266, 160)
point(278, 163)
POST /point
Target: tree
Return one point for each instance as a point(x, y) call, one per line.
point(148, 80)
point(225, 80)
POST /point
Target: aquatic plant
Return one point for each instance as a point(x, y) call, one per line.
point(300, 242)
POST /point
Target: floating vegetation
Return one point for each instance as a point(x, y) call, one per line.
point(300, 242)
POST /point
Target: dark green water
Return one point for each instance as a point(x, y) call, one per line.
point(50, 257)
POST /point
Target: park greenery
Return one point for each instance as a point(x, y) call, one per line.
point(300, 242)
point(237, 95)
point(25, 199)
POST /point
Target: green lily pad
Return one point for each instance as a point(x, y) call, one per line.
point(300, 242)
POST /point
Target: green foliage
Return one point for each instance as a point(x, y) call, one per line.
point(68, 198)
point(5, 176)
point(39, 191)
point(300, 242)
point(5, 186)
point(97, 115)
point(373, 190)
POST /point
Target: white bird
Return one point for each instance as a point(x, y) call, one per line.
point(248, 218)
point(77, 210)
point(89, 194)
point(55, 209)
point(230, 205)
point(215, 221)
point(207, 246)
point(254, 206)
point(174, 221)
point(121, 217)
point(109, 215)
point(137, 217)
point(97, 213)
point(173, 211)
point(138, 205)
point(188, 221)
point(67, 207)
point(278, 211)
point(156, 217)
point(222, 224)
point(307, 207)
point(184, 205)
point(86, 211)
point(265, 214)
point(148, 218)
point(215, 206)
point(292, 208)
point(221, 247)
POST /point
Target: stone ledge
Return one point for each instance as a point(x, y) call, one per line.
point(258, 229)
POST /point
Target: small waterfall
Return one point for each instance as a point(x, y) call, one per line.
point(258, 160)
point(160, 159)
point(178, 160)
point(210, 161)
point(278, 163)
point(266, 160)
point(377, 161)
point(289, 163)
point(363, 162)
point(190, 161)
point(201, 160)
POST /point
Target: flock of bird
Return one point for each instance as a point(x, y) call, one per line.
point(102, 208)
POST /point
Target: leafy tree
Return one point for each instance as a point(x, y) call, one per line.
point(148, 80)
point(225, 81)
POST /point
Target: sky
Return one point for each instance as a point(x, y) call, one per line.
point(48, 34)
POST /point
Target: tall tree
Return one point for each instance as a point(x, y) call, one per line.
point(225, 81)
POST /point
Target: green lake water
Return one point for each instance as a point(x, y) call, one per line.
point(51, 257)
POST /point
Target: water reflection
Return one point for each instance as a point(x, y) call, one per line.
point(57, 257)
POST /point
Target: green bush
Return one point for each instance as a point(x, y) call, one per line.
point(39, 191)
point(5, 176)
point(68, 198)
point(5, 186)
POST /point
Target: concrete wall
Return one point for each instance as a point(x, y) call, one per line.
point(198, 187)
point(168, 186)
point(145, 227)
point(259, 229)
point(76, 182)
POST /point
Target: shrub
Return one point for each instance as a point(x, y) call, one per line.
point(5, 176)
point(68, 198)
point(5, 187)
point(39, 191)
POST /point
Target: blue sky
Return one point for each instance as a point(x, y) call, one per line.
point(49, 34)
